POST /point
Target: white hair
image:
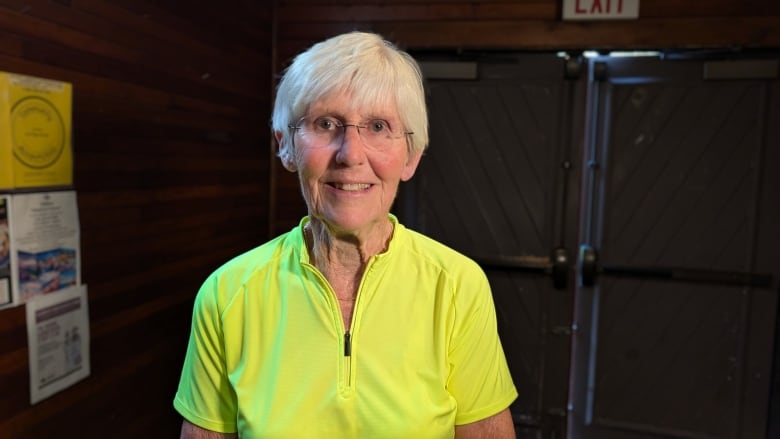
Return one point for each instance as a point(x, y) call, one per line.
point(371, 69)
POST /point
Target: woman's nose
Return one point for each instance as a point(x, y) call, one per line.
point(352, 150)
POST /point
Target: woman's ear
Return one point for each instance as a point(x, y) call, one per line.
point(411, 165)
point(288, 163)
point(284, 153)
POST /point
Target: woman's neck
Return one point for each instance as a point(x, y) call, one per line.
point(332, 251)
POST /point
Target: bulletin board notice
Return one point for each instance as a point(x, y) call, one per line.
point(58, 341)
point(45, 244)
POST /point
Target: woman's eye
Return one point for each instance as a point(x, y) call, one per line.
point(325, 124)
point(378, 126)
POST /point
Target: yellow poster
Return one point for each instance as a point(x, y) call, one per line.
point(35, 132)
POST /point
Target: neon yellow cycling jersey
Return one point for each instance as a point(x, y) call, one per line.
point(269, 355)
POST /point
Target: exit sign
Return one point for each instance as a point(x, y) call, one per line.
point(600, 9)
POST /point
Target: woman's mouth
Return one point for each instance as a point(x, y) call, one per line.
point(351, 186)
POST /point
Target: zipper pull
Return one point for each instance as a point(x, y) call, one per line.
point(347, 345)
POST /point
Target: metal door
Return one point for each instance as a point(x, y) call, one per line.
point(499, 183)
point(655, 176)
point(676, 304)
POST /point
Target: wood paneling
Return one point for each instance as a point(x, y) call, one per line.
point(173, 164)
point(521, 25)
point(170, 134)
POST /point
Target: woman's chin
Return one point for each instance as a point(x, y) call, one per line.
point(354, 223)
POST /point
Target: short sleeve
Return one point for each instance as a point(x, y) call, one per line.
point(205, 396)
point(479, 377)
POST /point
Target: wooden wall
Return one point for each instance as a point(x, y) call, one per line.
point(172, 154)
point(171, 141)
point(513, 25)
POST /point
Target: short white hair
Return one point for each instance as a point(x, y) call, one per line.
point(373, 70)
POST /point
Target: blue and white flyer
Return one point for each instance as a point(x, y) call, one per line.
point(58, 341)
point(45, 243)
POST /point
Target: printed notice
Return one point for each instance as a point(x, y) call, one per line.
point(58, 341)
point(45, 243)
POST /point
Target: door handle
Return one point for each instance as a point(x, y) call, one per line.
point(590, 270)
point(745, 279)
point(557, 265)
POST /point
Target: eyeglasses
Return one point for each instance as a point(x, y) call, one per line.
point(324, 131)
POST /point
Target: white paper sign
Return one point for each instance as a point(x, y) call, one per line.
point(600, 9)
point(58, 341)
point(45, 243)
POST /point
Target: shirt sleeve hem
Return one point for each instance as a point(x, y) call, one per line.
point(486, 411)
point(208, 424)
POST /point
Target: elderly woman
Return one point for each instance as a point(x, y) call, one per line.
point(349, 325)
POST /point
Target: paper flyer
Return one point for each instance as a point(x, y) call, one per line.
point(58, 341)
point(35, 132)
point(45, 243)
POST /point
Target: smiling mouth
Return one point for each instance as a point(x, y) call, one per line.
point(351, 186)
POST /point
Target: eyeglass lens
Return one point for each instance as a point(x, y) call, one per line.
point(327, 131)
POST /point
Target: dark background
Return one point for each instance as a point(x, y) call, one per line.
point(174, 165)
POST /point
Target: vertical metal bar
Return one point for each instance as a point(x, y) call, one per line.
point(580, 396)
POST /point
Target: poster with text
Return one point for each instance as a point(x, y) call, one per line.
point(45, 243)
point(58, 341)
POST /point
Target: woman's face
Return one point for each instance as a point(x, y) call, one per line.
point(347, 185)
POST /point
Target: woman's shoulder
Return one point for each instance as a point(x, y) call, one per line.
point(258, 256)
point(455, 274)
point(235, 274)
point(433, 251)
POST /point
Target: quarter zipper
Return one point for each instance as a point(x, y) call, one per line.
point(349, 333)
point(347, 360)
point(345, 377)
point(347, 344)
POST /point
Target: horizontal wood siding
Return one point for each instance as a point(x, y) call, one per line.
point(535, 25)
point(171, 142)
point(173, 159)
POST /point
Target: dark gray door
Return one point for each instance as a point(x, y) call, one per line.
point(499, 183)
point(675, 310)
point(626, 212)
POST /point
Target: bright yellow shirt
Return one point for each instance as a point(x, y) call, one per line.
point(269, 355)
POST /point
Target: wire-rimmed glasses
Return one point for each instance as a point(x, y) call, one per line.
point(326, 131)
